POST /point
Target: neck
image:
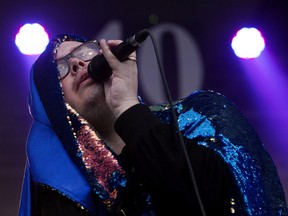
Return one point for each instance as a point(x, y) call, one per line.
point(115, 142)
point(107, 133)
point(103, 124)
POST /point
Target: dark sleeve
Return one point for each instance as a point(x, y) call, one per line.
point(153, 151)
point(49, 202)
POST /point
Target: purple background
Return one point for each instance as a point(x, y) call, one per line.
point(258, 87)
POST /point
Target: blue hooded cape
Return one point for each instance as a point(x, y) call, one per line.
point(47, 160)
point(204, 115)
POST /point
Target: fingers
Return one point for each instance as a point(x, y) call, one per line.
point(113, 43)
point(107, 52)
point(107, 45)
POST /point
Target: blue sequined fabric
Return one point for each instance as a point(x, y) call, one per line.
point(217, 124)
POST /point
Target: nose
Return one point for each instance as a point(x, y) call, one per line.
point(76, 65)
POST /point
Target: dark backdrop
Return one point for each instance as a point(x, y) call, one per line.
point(194, 41)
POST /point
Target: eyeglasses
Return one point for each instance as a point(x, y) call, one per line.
point(84, 52)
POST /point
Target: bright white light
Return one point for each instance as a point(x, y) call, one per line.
point(31, 39)
point(248, 43)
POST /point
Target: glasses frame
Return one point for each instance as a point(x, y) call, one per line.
point(71, 55)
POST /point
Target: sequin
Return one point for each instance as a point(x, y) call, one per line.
point(99, 163)
point(215, 123)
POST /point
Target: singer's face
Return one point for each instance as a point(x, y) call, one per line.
point(84, 94)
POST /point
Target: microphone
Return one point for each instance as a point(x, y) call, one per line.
point(99, 69)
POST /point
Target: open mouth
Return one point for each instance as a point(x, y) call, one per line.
point(82, 79)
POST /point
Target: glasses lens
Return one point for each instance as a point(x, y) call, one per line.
point(87, 51)
point(63, 68)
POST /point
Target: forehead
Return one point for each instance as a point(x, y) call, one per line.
point(66, 47)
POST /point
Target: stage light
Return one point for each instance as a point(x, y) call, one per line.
point(248, 43)
point(31, 39)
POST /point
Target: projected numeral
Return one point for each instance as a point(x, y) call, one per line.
point(188, 75)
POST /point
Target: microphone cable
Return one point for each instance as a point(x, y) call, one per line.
point(175, 120)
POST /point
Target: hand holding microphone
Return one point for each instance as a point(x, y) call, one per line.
point(120, 89)
point(99, 69)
